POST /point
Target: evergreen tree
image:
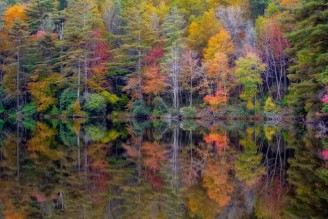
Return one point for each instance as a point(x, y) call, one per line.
point(140, 31)
point(81, 17)
point(15, 68)
point(41, 15)
point(308, 70)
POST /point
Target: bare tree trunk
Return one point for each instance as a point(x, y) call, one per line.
point(85, 55)
point(17, 151)
point(175, 76)
point(78, 79)
point(85, 73)
point(17, 79)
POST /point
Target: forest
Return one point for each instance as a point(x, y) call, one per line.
point(164, 58)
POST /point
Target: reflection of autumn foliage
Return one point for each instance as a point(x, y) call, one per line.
point(248, 164)
point(190, 166)
point(216, 181)
point(271, 200)
point(11, 213)
point(42, 142)
point(220, 140)
point(153, 156)
point(98, 166)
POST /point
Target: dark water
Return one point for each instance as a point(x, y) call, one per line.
point(107, 169)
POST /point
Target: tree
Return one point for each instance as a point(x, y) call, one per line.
point(201, 30)
point(13, 14)
point(220, 42)
point(257, 7)
point(271, 45)
point(248, 72)
point(17, 40)
point(235, 21)
point(81, 17)
point(140, 31)
point(308, 69)
point(190, 72)
point(216, 62)
point(190, 8)
point(219, 98)
point(41, 15)
point(173, 29)
point(218, 70)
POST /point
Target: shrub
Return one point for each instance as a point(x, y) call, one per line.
point(95, 103)
point(269, 105)
point(158, 112)
point(29, 109)
point(110, 98)
point(77, 109)
point(67, 98)
point(139, 109)
point(325, 108)
point(54, 111)
point(188, 112)
point(96, 133)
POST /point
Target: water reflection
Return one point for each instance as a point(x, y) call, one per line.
point(161, 169)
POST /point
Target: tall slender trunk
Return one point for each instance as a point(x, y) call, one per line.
point(78, 79)
point(17, 151)
point(139, 76)
point(85, 73)
point(175, 76)
point(61, 38)
point(85, 54)
point(17, 79)
point(139, 61)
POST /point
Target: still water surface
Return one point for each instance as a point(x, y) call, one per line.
point(161, 169)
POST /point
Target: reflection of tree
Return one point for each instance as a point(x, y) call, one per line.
point(126, 172)
point(270, 200)
point(46, 167)
point(218, 182)
point(310, 195)
point(43, 143)
point(218, 138)
point(154, 154)
point(276, 154)
point(248, 164)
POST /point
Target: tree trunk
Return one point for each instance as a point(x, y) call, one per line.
point(17, 79)
point(78, 80)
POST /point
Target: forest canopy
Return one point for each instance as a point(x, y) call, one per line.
point(187, 58)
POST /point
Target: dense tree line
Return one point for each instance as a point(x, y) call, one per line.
point(92, 57)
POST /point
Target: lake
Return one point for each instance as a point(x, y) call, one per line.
point(162, 169)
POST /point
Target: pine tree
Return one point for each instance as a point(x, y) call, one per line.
point(309, 70)
point(41, 15)
point(81, 17)
point(140, 31)
point(18, 36)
